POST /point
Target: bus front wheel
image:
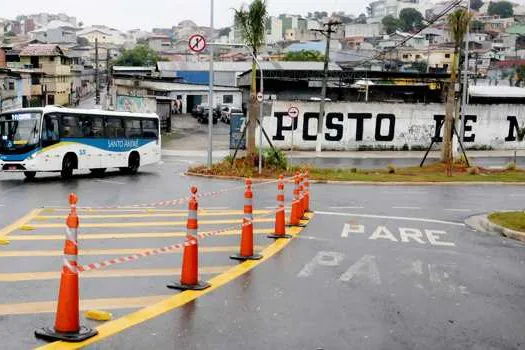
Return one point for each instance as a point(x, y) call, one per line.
point(30, 175)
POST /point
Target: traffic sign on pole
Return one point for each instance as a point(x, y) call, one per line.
point(260, 97)
point(197, 43)
point(293, 112)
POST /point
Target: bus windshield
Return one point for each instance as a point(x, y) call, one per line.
point(19, 131)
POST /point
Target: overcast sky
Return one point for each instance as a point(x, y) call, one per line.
point(146, 14)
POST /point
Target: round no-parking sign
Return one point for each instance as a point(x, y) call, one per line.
point(293, 112)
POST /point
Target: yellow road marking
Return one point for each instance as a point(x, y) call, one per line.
point(108, 273)
point(108, 304)
point(113, 327)
point(151, 223)
point(20, 222)
point(94, 252)
point(96, 236)
point(130, 216)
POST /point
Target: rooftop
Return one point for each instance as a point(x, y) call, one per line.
point(41, 50)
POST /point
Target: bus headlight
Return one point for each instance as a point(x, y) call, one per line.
point(33, 156)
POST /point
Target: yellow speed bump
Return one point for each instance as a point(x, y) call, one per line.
point(49, 210)
point(4, 241)
point(27, 228)
point(98, 315)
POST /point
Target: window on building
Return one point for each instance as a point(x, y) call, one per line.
point(150, 129)
point(92, 126)
point(114, 128)
point(133, 128)
point(35, 79)
point(227, 99)
point(71, 126)
point(405, 56)
point(11, 85)
point(418, 57)
point(447, 55)
point(52, 59)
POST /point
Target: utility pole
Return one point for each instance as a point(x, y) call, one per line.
point(97, 83)
point(328, 29)
point(210, 93)
point(465, 82)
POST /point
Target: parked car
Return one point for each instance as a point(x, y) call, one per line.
point(204, 112)
point(227, 111)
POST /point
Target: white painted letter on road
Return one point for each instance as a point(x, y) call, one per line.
point(433, 238)
point(383, 232)
point(351, 228)
point(408, 234)
point(365, 267)
point(321, 259)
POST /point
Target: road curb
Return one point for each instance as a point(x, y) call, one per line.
point(382, 183)
point(490, 227)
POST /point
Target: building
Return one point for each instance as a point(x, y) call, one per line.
point(274, 30)
point(56, 67)
point(379, 9)
point(225, 73)
point(56, 32)
point(11, 90)
point(159, 42)
point(364, 30)
point(105, 35)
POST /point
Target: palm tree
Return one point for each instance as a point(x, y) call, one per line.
point(458, 22)
point(252, 25)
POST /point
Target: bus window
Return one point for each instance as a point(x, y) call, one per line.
point(149, 129)
point(133, 128)
point(114, 128)
point(71, 126)
point(92, 126)
point(50, 130)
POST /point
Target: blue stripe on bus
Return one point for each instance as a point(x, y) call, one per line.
point(112, 145)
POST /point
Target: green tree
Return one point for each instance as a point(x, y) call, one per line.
point(476, 4)
point(477, 26)
point(458, 23)
point(304, 55)
point(224, 31)
point(82, 41)
point(501, 8)
point(251, 23)
point(139, 56)
point(420, 66)
point(361, 19)
point(410, 19)
point(391, 24)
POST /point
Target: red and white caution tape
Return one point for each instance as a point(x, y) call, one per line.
point(164, 250)
point(183, 200)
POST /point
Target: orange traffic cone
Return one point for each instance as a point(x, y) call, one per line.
point(190, 261)
point(67, 322)
point(246, 251)
point(295, 213)
point(301, 197)
point(306, 197)
point(280, 215)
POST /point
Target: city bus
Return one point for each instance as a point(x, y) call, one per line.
point(55, 139)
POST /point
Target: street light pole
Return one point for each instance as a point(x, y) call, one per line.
point(210, 94)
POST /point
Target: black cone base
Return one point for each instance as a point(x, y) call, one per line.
point(276, 236)
point(298, 225)
point(51, 335)
point(201, 285)
point(244, 258)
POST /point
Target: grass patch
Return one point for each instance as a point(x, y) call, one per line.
point(247, 167)
point(511, 220)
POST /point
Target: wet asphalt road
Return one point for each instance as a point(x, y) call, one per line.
point(379, 267)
